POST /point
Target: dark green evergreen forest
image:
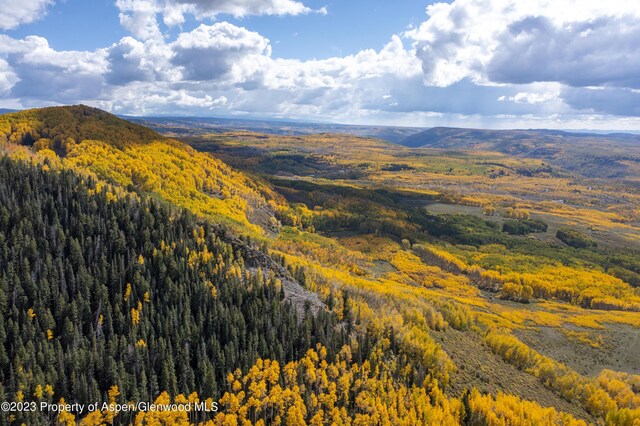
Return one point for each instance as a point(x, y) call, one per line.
point(96, 292)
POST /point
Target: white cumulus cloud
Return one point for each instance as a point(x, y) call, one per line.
point(41, 72)
point(7, 77)
point(512, 41)
point(210, 52)
point(140, 16)
point(16, 12)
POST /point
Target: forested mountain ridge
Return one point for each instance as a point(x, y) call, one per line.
point(135, 157)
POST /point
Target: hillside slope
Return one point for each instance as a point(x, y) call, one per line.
point(99, 291)
point(138, 159)
point(394, 228)
point(135, 157)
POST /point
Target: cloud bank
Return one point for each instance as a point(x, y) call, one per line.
point(555, 62)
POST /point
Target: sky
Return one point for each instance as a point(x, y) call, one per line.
point(471, 63)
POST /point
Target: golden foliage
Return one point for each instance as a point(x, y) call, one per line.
point(180, 175)
point(64, 417)
point(135, 314)
point(314, 391)
point(507, 410)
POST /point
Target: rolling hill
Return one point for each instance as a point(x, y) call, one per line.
point(615, 155)
point(57, 126)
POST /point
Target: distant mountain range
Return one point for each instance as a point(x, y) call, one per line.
point(511, 141)
point(192, 126)
point(508, 141)
point(611, 155)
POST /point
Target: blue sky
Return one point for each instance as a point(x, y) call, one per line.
point(76, 25)
point(347, 28)
point(487, 63)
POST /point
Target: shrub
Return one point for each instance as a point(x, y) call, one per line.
point(574, 238)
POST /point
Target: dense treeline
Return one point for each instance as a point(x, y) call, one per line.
point(136, 158)
point(97, 291)
point(346, 391)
